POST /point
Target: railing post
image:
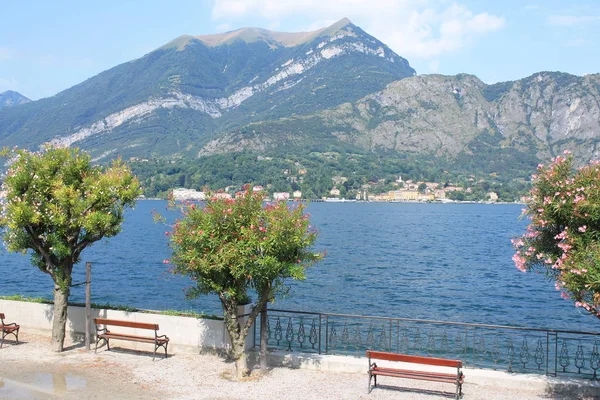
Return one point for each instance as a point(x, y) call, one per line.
point(88, 303)
point(327, 334)
point(549, 364)
point(319, 333)
point(390, 347)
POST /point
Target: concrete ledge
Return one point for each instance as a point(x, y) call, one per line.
point(570, 386)
point(186, 334)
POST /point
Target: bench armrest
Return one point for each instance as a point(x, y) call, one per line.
point(161, 337)
point(11, 324)
point(101, 330)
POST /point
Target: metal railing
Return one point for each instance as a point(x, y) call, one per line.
point(513, 349)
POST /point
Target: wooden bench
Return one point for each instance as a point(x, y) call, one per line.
point(103, 333)
point(374, 370)
point(8, 329)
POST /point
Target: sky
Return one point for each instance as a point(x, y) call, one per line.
point(49, 46)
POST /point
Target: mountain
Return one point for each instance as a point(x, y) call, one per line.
point(193, 89)
point(336, 90)
point(11, 98)
point(454, 117)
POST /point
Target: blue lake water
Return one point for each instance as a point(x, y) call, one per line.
point(434, 261)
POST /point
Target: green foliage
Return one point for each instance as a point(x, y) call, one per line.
point(563, 238)
point(18, 297)
point(57, 203)
point(231, 246)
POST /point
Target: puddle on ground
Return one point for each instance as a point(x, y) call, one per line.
point(40, 385)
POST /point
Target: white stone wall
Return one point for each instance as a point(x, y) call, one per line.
point(186, 334)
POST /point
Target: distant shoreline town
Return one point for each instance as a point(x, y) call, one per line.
point(408, 191)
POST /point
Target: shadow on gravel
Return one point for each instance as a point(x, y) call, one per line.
point(141, 353)
point(10, 343)
point(574, 388)
point(415, 390)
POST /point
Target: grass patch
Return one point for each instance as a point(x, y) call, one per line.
point(107, 306)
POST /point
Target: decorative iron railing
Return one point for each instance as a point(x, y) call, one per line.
point(514, 349)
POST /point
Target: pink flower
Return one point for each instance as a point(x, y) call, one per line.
point(519, 262)
point(578, 304)
point(562, 235)
point(564, 295)
point(166, 261)
point(582, 228)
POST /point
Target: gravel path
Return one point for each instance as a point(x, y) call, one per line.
point(31, 370)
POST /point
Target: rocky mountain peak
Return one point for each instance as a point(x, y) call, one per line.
point(12, 98)
point(273, 38)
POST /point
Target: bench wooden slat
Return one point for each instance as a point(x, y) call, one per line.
point(133, 338)
point(128, 324)
point(380, 355)
point(418, 375)
point(381, 371)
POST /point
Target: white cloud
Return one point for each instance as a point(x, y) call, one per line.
point(571, 20)
point(412, 28)
point(7, 53)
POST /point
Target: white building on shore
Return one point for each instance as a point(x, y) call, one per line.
point(188, 194)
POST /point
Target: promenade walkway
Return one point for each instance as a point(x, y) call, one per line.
point(32, 371)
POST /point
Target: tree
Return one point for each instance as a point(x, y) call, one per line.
point(563, 238)
point(232, 246)
point(57, 203)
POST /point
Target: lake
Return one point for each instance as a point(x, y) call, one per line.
point(435, 261)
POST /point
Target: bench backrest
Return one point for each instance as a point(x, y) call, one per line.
point(442, 362)
point(127, 324)
point(2, 318)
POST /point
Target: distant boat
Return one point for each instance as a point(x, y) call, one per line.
point(336, 200)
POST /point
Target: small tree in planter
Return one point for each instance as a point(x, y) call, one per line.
point(57, 203)
point(231, 246)
point(563, 238)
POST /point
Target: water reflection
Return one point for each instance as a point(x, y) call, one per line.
point(39, 385)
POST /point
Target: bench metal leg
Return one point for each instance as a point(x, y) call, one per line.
point(5, 334)
point(157, 346)
point(98, 341)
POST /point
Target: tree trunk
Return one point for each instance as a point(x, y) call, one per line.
point(263, 338)
point(241, 362)
point(59, 322)
point(238, 351)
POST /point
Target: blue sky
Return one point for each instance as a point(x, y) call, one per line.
point(49, 46)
